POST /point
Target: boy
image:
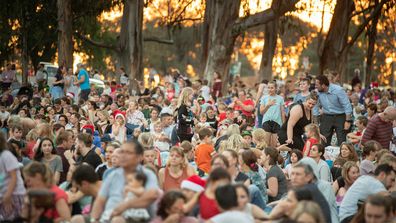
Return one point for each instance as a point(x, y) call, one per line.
point(16, 133)
point(361, 124)
point(189, 153)
point(204, 151)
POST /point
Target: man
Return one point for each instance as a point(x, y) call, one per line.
point(302, 175)
point(86, 181)
point(110, 149)
point(377, 209)
point(336, 108)
point(64, 143)
point(88, 155)
point(83, 82)
point(111, 195)
point(324, 186)
point(380, 127)
point(383, 179)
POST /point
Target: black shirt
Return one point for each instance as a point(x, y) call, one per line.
point(92, 159)
point(241, 178)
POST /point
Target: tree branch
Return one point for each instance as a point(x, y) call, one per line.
point(158, 40)
point(362, 11)
point(95, 43)
point(360, 29)
point(263, 17)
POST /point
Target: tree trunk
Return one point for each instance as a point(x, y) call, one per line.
point(135, 24)
point(65, 42)
point(221, 39)
point(270, 37)
point(206, 33)
point(332, 57)
point(24, 53)
point(372, 37)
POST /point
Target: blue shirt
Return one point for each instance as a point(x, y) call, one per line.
point(333, 102)
point(84, 85)
point(274, 112)
point(113, 186)
point(299, 97)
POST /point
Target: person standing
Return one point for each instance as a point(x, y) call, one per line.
point(8, 76)
point(304, 90)
point(57, 89)
point(41, 75)
point(272, 109)
point(185, 117)
point(83, 82)
point(336, 108)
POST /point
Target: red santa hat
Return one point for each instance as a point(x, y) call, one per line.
point(118, 113)
point(374, 84)
point(194, 183)
point(90, 127)
point(70, 94)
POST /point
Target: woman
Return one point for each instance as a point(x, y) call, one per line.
point(304, 90)
point(250, 167)
point(348, 152)
point(176, 170)
point(102, 124)
point(349, 174)
point(233, 169)
point(217, 86)
point(39, 177)
point(154, 117)
point(276, 180)
point(185, 117)
point(170, 209)
point(272, 109)
point(245, 206)
point(285, 207)
point(317, 153)
point(92, 108)
point(12, 190)
point(58, 84)
point(46, 153)
point(372, 109)
point(69, 84)
point(300, 115)
point(308, 212)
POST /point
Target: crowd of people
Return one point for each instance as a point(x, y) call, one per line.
point(185, 151)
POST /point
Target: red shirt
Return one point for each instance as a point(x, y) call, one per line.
point(246, 103)
point(222, 116)
point(312, 141)
point(207, 207)
point(59, 194)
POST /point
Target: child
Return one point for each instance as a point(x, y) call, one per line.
point(149, 158)
point(313, 135)
point(222, 112)
point(134, 188)
point(295, 156)
point(16, 132)
point(202, 120)
point(161, 141)
point(189, 153)
point(204, 151)
point(361, 124)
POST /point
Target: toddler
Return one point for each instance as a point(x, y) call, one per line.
point(313, 135)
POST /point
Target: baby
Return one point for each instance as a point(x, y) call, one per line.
point(134, 188)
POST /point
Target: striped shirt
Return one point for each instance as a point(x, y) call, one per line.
point(379, 131)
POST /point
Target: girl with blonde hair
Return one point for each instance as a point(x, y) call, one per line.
point(185, 116)
point(175, 171)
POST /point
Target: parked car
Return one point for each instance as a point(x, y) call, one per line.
point(51, 70)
